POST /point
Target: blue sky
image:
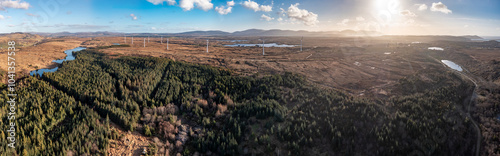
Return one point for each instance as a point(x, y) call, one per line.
point(397, 17)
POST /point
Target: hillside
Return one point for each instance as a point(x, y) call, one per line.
point(201, 109)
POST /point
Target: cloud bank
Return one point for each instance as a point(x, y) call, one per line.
point(223, 10)
point(440, 7)
point(204, 5)
point(256, 7)
point(265, 17)
point(14, 4)
point(308, 18)
point(156, 2)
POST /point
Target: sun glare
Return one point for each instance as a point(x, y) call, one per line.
point(391, 6)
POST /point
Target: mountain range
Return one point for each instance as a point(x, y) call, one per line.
point(259, 32)
point(249, 32)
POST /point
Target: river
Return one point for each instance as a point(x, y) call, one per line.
point(69, 57)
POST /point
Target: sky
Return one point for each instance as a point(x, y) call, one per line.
point(390, 17)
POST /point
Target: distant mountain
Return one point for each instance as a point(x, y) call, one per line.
point(359, 33)
point(472, 37)
point(80, 34)
point(273, 32)
point(425, 38)
point(204, 33)
point(19, 35)
point(249, 32)
point(278, 32)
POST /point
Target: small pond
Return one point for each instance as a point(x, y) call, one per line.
point(436, 48)
point(452, 65)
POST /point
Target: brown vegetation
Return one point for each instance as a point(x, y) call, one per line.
point(370, 67)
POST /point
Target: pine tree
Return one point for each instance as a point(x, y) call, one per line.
point(147, 131)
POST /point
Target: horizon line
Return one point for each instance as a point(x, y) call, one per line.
point(340, 31)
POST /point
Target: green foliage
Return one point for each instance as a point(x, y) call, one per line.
point(147, 131)
point(50, 122)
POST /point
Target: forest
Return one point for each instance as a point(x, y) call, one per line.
point(195, 108)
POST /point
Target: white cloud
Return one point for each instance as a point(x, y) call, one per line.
point(308, 18)
point(187, 5)
point(156, 2)
point(134, 17)
point(32, 15)
point(2, 17)
point(15, 4)
point(440, 7)
point(360, 19)
point(344, 22)
point(153, 28)
point(421, 7)
point(407, 13)
point(230, 3)
point(265, 17)
point(251, 5)
point(266, 8)
point(171, 2)
point(223, 10)
point(280, 19)
point(282, 12)
point(256, 7)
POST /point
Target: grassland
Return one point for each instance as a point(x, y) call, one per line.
point(399, 84)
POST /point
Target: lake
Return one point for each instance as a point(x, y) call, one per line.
point(232, 40)
point(435, 48)
point(452, 65)
point(69, 57)
point(260, 45)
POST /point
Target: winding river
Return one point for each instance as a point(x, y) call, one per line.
point(69, 57)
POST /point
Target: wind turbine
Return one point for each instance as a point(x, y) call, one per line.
point(148, 39)
point(301, 43)
point(263, 50)
point(167, 43)
point(162, 40)
point(125, 39)
point(144, 42)
point(132, 39)
point(207, 46)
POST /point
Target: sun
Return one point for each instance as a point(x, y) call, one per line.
point(391, 6)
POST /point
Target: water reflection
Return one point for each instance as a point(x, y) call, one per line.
point(69, 57)
point(260, 45)
point(452, 65)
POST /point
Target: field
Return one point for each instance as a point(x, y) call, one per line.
point(358, 95)
point(359, 65)
point(36, 52)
